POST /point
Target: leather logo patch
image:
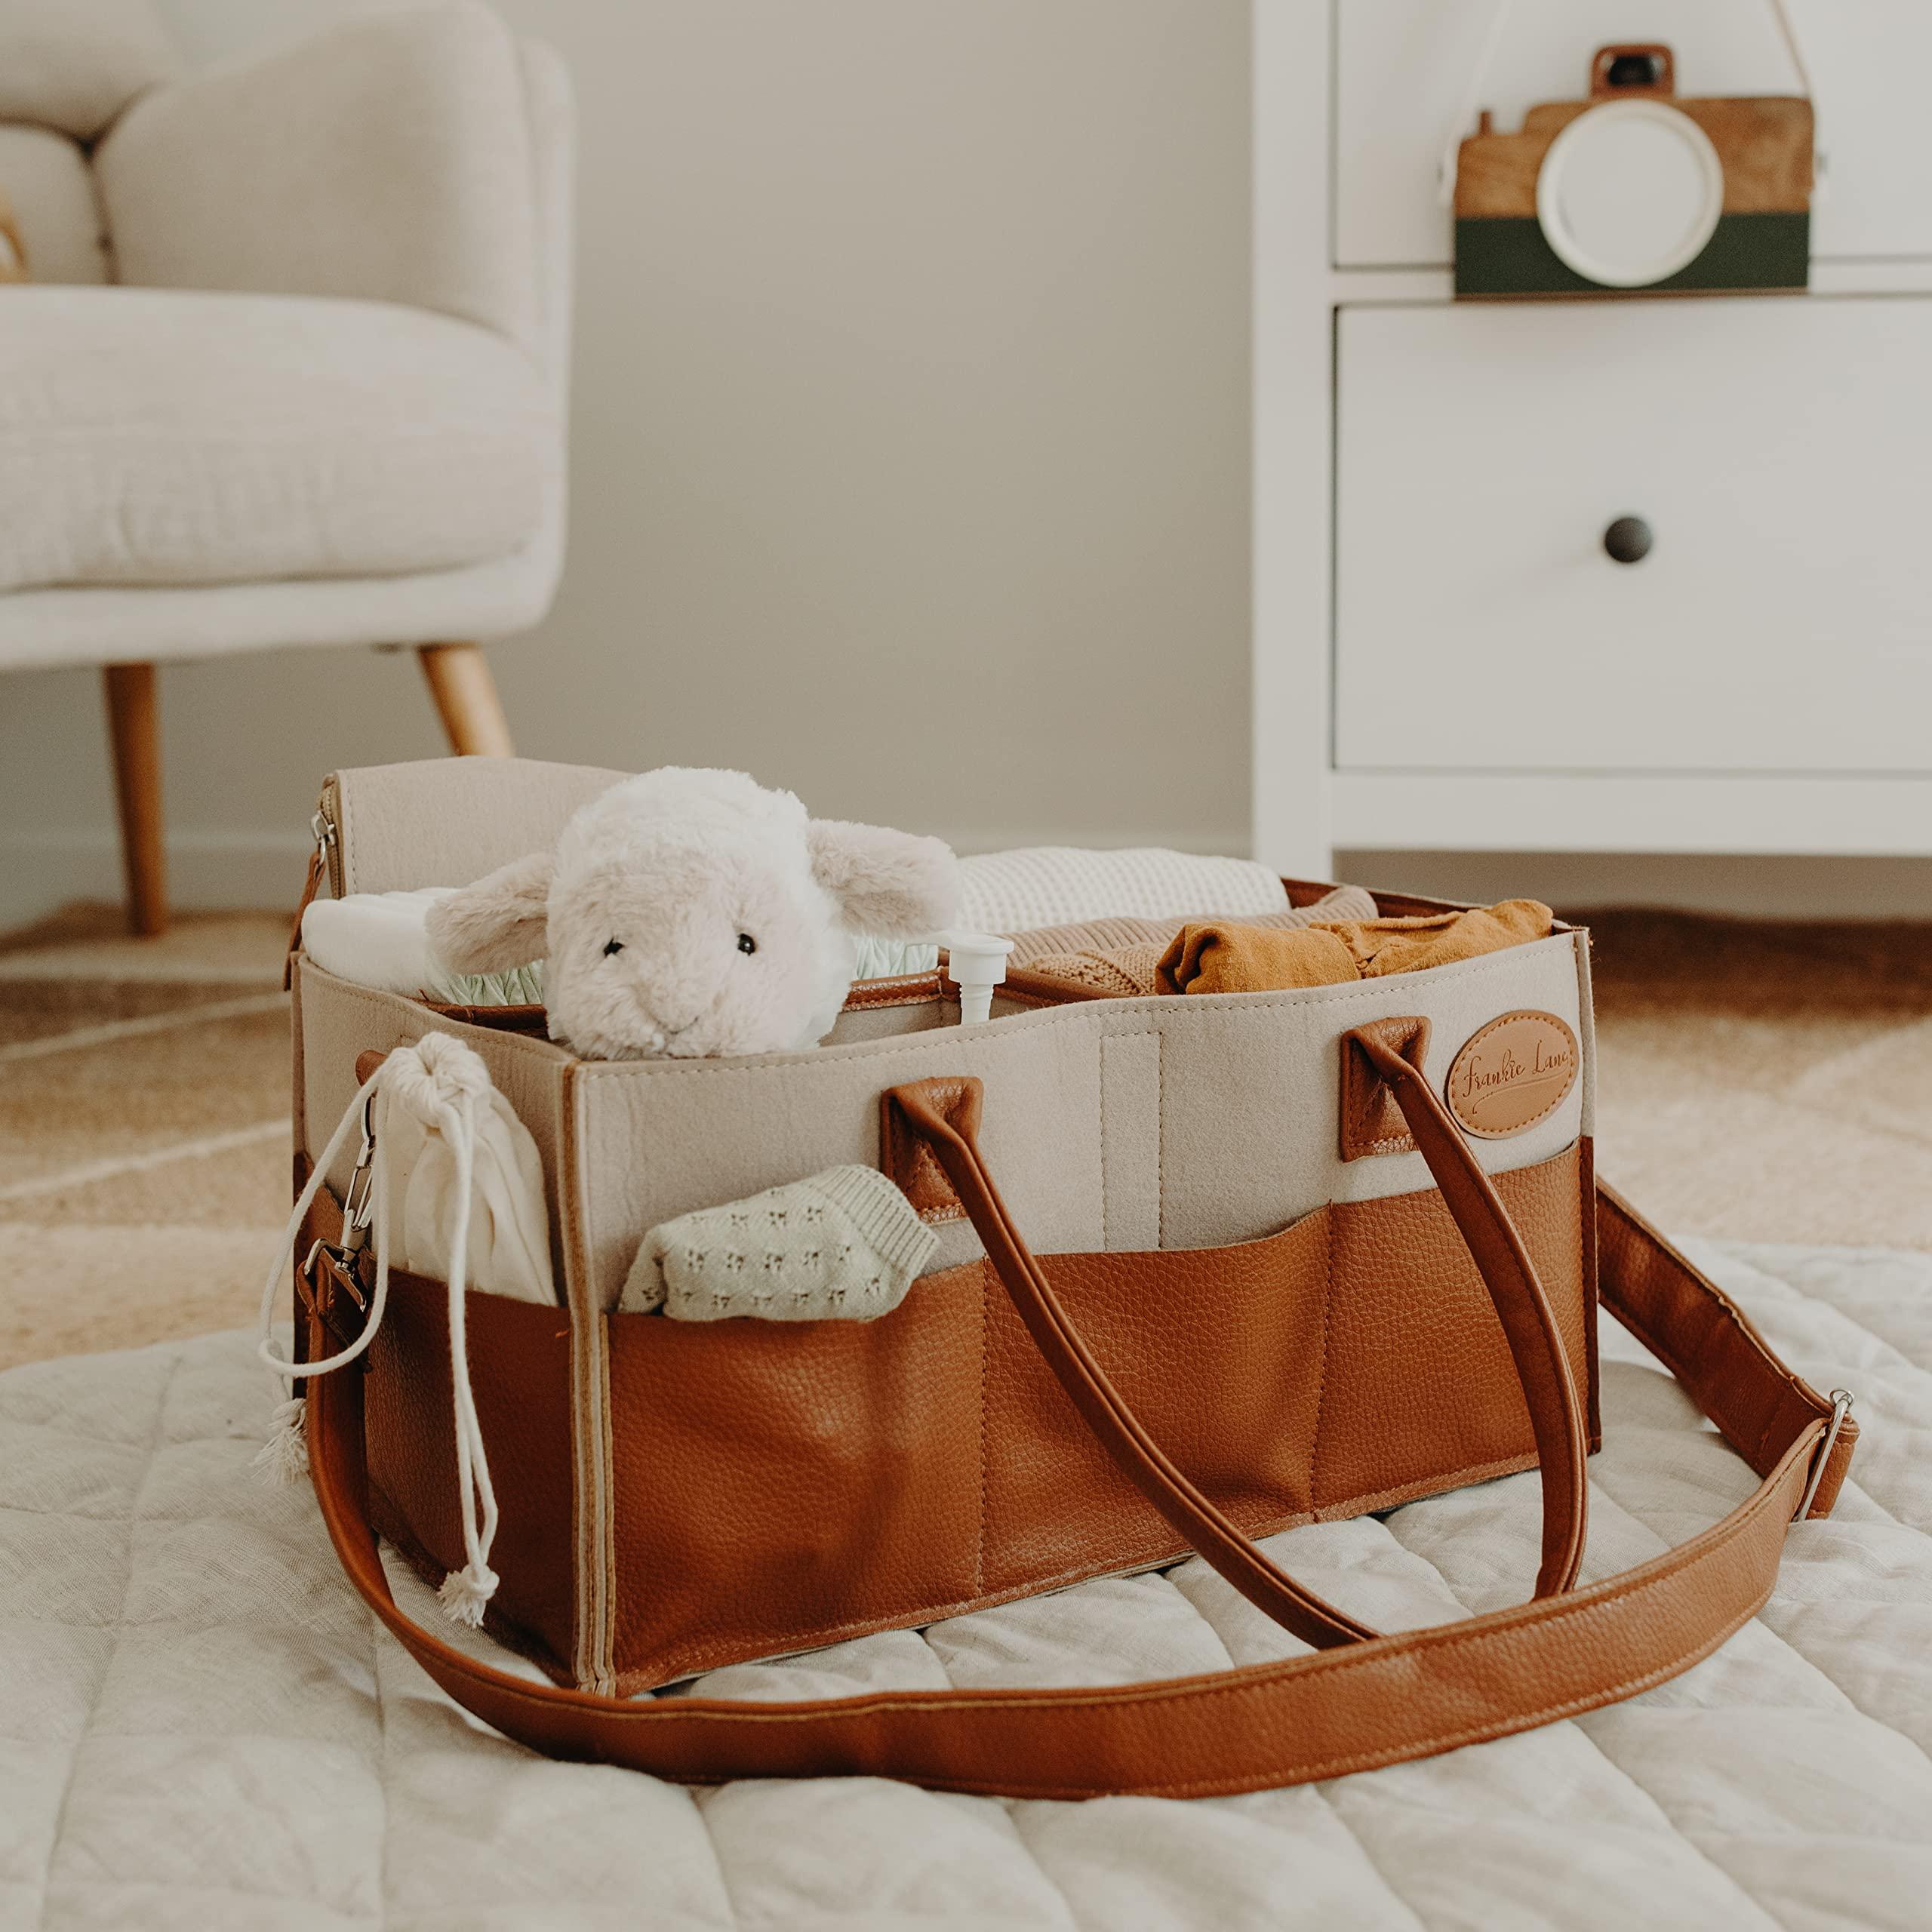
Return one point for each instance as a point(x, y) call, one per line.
point(1511, 1075)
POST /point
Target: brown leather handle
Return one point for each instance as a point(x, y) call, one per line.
point(1194, 1518)
point(931, 1108)
point(1529, 1324)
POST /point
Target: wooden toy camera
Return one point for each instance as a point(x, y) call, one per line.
point(1634, 192)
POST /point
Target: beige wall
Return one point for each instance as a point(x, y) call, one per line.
point(910, 462)
point(910, 445)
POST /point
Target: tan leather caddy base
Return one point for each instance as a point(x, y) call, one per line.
point(777, 1488)
point(1358, 1701)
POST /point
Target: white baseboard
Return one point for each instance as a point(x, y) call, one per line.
point(207, 870)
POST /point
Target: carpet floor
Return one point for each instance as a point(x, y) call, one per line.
point(1769, 1083)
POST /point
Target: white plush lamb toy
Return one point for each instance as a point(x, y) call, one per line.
point(689, 913)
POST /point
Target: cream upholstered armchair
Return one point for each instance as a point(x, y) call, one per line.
point(287, 367)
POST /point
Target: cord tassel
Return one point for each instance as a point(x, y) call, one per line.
point(283, 1458)
point(466, 1592)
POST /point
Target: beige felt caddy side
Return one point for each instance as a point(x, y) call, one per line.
point(1116, 1124)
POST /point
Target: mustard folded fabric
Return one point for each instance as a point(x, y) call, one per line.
point(1437, 939)
point(1227, 957)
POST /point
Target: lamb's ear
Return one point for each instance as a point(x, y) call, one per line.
point(894, 883)
point(498, 922)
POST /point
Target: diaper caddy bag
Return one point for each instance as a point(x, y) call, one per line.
point(1209, 1267)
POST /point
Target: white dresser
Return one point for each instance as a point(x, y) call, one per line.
point(1447, 655)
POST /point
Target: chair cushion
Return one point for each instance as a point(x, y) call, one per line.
point(74, 64)
point(160, 436)
point(46, 181)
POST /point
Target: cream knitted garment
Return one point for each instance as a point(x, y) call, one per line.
point(841, 1246)
point(1048, 885)
point(1129, 972)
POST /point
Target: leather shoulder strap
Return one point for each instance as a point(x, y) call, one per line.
point(1358, 1701)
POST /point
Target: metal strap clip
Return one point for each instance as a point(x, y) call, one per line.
point(359, 1198)
point(358, 1210)
point(333, 1293)
point(1841, 1408)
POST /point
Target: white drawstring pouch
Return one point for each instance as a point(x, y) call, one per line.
point(508, 1250)
point(456, 1192)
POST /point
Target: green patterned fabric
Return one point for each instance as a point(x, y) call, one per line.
point(522, 986)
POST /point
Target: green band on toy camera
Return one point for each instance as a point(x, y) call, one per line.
point(1509, 255)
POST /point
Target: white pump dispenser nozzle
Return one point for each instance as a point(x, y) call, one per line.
point(977, 962)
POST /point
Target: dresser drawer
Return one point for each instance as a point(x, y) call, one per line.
point(1780, 453)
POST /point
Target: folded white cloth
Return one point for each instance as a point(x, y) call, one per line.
point(375, 939)
point(1050, 885)
point(843, 1245)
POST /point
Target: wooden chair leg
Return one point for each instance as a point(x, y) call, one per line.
point(132, 726)
point(466, 700)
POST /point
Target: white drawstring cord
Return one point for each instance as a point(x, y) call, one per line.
point(467, 1591)
point(448, 1103)
point(1447, 167)
point(284, 1457)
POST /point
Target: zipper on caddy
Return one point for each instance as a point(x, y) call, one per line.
point(324, 861)
point(328, 844)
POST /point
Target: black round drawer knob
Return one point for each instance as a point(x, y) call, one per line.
point(1627, 539)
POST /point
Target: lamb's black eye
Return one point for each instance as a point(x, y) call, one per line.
point(611, 946)
point(746, 943)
